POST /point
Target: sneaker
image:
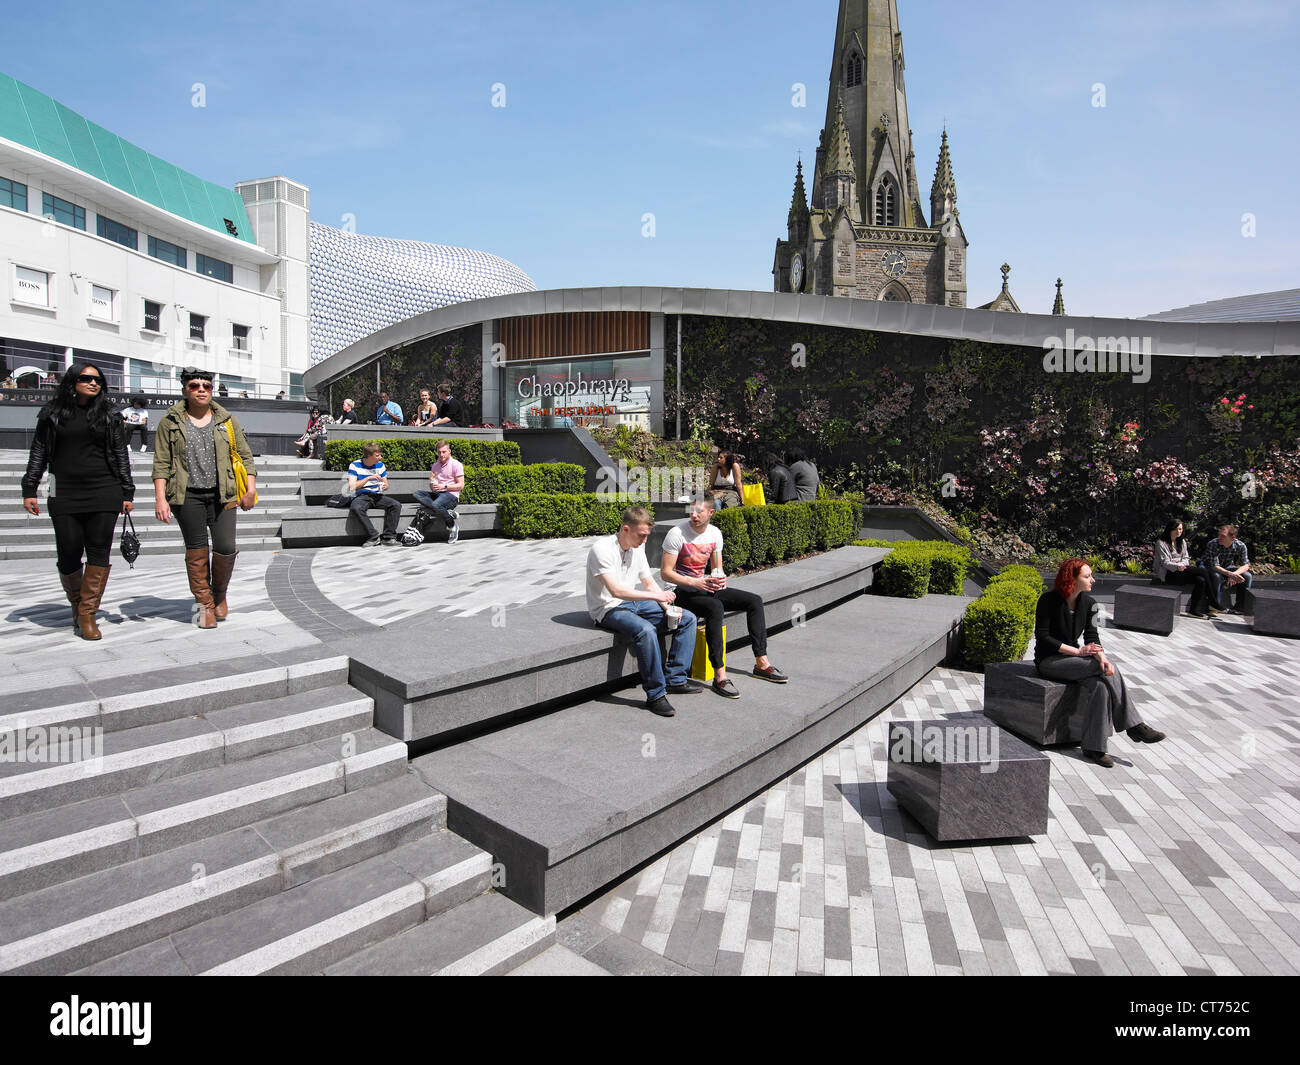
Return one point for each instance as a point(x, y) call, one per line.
point(1101, 758)
point(687, 687)
point(394, 542)
point(453, 532)
point(770, 673)
point(726, 689)
point(372, 542)
point(1145, 734)
point(1198, 615)
point(661, 706)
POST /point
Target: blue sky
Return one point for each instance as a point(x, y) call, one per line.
point(683, 110)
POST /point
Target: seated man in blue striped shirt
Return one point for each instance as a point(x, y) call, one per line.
point(368, 478)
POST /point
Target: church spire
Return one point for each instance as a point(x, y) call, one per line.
point(797, 221)
point(943, 192)
point(1058, 308)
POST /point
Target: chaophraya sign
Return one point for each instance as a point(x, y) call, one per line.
point(592, 390)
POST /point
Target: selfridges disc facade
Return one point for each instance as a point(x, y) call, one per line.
point(361, 284)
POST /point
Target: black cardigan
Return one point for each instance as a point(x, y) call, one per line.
point(45, 442)
point(1055, 624)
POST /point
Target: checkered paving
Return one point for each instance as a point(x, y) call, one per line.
point(1183, 859)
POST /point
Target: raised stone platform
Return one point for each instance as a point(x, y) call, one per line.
point(968, 779)
point(570, 801)
point(1147, 608)
point(330, 527)
point(1276, 612)
point(493, 666)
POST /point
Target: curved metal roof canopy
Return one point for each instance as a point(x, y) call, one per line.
point(1186, 339)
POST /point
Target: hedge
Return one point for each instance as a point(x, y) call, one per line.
point(835, 522)
point(486, 484)
point(420, 454)
point(904, 574)
point(998, 625)
point(947, 564)
point(563, 514)
point(757, 536)
point(735, 538)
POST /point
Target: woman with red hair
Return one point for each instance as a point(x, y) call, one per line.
point(1066, 612)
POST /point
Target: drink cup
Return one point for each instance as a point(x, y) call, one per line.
point(673, 613)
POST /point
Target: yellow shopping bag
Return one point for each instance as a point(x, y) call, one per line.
point(753, 496)
point(701, 667)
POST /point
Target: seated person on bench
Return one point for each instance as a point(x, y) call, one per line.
point(1227, 564)
point(615, 566)
point(1173, 566)
point(693, 549)
point(446, 482)
point(368, 478)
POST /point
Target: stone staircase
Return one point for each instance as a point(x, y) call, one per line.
point(253, 822)
point(25, 536)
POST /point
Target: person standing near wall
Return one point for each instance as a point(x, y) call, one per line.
point(82, 441)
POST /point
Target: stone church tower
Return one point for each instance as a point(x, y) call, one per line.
point(865, 232)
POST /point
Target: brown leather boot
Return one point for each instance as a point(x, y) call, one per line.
point(196, 567)
point(222, 565)
point(72, 589)
point(92, 590)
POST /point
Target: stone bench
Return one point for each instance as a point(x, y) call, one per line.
point(968, 779)
point(330, 527)
point(1276, 611)
point(315, 487)
point(1035, 708)
point(1147, 608)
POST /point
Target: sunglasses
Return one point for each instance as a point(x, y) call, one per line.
point(199, 386)
point(90, 378)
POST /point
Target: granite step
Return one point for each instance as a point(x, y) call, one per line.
point(488, 935)
point(319, 923)
point(118, 703)
point(44, 551)
point(52, 846)
point(112, 762)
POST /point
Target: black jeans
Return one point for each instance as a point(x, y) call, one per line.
point(143, 430)
point(709, 607)
point(89, 533)
point(1200, 582)
point(202, 511)
point(392, 513)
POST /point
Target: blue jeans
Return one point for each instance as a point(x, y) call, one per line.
point(441, 504)
point(1218, 582)
point(640, 622)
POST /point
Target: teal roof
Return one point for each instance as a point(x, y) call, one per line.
point(33, 119)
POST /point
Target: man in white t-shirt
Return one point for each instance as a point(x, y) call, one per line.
point(692, 552)
point(616, 565)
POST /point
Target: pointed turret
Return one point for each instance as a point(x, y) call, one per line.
point(943, 193)
point(797, 221)
point(839, 176)
point(1058, 308)
point(1004, 301)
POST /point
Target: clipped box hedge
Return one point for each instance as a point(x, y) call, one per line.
point(999, 624)
point(486, 484)
point(947, 564)
point(753, 537)
point(420, 453)
point(525, 515)
point(735, 538)
point(904, 574)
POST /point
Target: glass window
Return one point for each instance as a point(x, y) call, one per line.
point(63, 211)
point(32, 286)
point(153, 316)
point(13, 194)
point(214, 268)
point(115, 231)
point(239, 337)
point(103, 303)
point(198, 325)
point(578, 391)
point(168, 253)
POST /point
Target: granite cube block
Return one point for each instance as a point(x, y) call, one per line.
point(1147, 608)
point(1035, 708)
point(1277, 611)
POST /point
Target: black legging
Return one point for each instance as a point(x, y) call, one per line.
point(710, 607)
point(200, 512)
point(90, 533)
point(1200, 582)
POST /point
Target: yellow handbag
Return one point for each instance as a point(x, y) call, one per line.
point(237, 464)
point(753, 496)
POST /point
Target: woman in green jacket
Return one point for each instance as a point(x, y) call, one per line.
point(193, 473)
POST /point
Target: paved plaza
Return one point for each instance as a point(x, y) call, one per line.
point(1183, 859)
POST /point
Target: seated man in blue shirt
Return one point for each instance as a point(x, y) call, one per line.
point(368, 478)
point(389, 413)
point(1227, 563)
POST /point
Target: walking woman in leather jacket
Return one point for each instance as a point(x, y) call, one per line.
point(192, 473)
point(82, 441)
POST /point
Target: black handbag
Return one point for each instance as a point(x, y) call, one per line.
point(130, 545)
point(342, 501)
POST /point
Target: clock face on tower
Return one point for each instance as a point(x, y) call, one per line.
point(796, 273)
point(895, 263)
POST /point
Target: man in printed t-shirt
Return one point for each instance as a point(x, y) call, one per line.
point(692, 560)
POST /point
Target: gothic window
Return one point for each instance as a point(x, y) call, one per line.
point(853, 70)
point(895, 293)
point(886, 204)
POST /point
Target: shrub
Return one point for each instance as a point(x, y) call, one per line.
point(947, 562)
point(905, 574)
point(486, 484)
point(801, 529)
point(833, 522)
point(1014, 592)
point(563, 514)
point(735, 538)
point(762, 533)
point(418, 453)
point(996, 629)
point(1024, 574)
point(782, 531)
